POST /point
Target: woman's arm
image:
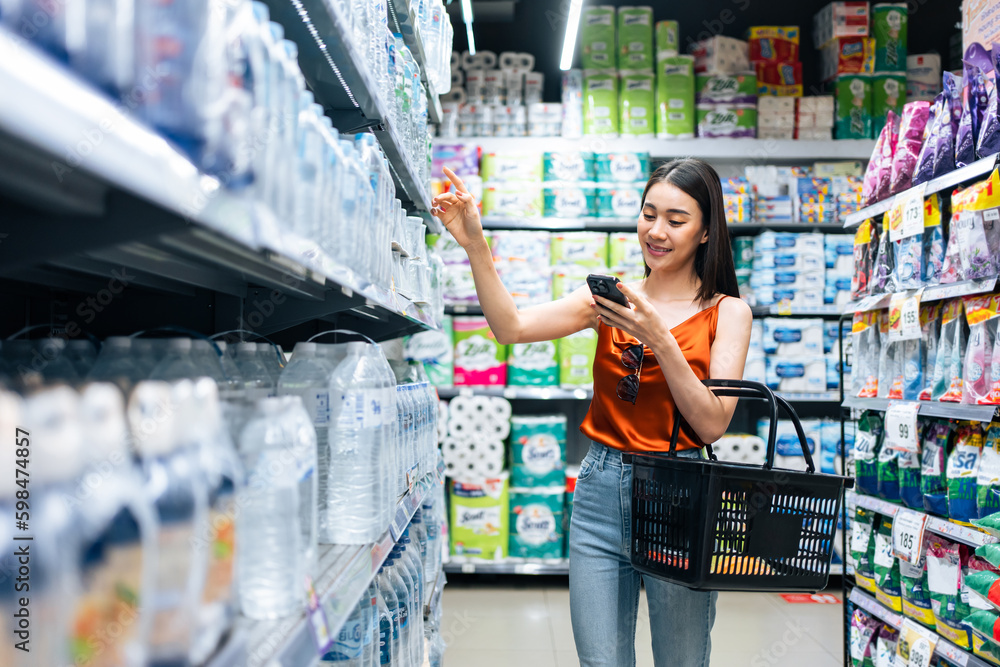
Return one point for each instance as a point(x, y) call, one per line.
point(458, 211)
point(709, 415)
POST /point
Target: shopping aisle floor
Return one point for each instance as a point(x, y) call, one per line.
point(525, 623)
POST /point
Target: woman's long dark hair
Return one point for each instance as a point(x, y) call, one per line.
point(713, 261)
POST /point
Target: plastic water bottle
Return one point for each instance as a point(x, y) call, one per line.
point(418, 534)
point(355, 486)
point(178, 363)
point(401, 614)
point(432, 531)
point(307, 376)
point(306, 451)
point(387, 463)
point(270, 552)
point(348, 645)
point(56, 454)
point(119, 523)
point(414, 571)
point(403, 572)
point(371, 639)
point(256, 379)
point(174, 484)
point(216, 536)
point(272, 358)
point(388, 636)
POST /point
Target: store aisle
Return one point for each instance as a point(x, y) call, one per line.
point(526, 624)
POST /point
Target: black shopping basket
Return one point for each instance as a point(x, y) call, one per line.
point(710, 525)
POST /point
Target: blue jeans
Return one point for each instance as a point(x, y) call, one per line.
point(604, 588)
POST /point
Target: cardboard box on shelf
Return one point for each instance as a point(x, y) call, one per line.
point(721, 55)
point(980, 22)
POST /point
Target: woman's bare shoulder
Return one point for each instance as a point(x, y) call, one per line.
point(734, 310)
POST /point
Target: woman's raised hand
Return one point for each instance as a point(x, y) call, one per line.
point(458, 212)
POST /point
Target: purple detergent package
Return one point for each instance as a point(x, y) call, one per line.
point(942, 135)
point(989, 133)
point(975, 98)
point(925, 160)
point(911, 138)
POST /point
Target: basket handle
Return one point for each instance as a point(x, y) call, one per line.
point(747, 389)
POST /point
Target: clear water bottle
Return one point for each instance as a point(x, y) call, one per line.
point(386, 464)
point(305, 438)
point(351, 249)
point(50, 419)
point(177, 363)
point(270, 550)
point(402, 570)
point(115, 362)
point(255, 376)
point(216, 537)
point(348, 647)
point(401, 614)
point(418, 534)
point(355, 487)
point(371, 639)
point(82, 354)
point(272, 358)
point(307, 376)
point(174, 484)
point(432, 530)
point(387, 638)
point(413, 571)
point(118, 556)
point(227, 359)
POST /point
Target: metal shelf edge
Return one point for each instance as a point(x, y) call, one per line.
point(557, 567)
point(964, 534)
point(981, 413)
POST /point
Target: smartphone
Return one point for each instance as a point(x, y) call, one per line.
point(606, 286)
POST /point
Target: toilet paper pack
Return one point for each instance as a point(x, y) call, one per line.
point(621, 167)
point(741, 448)
point(726, 88)
point(434, 350)
point(675, 87)
point(853, 115)
point(789, 279)
point(511, 167)
point(537, 450)
point(536, 522)
point(479, 359)
point(667, 39)
point(788, 448)
point(600, 103)
point(788, 261)
point(721, 55)
point(568, 278)
point(788, 242)
point(568, 166)
point(624, 250)
point(888, 94)
point(588, 249)
point(637, 99)
point(787, 336)
point(517, 200)
point(839, 251)
point(889, 26)
point(733, 121)
point(796, 298)
point(801, 375)
point(480, 519)
point(533, 365)
point(568, 200)
point(635, 38)
point(619, 200)
point(597, 37)
point(576, 359)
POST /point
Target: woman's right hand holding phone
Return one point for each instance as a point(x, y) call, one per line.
point(458, 212)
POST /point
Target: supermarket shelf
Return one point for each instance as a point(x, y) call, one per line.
point(345, 574)
point(949, 180)
point(464, 309)
point(955, 531)
point(434, 593)
point(233, 653)
point(826, 310)
point(458, 565)
point(944, 648)
point(759, 151)
point(934, 293)
point(401, 20)
point(629, 224)
point(74, 234)
point(979, 413)
point(580, 394)
point(342, 83)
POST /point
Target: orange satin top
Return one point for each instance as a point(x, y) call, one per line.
point(645, 426)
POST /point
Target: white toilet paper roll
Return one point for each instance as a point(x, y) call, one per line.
point(460, 429)
point(527, 61)
point(457, 78)
point(500, 408)
point(488, 468)
point(456, 60)
point(453, 469)
point(486, 59)
point(455, 96)
point(469, 61)
point(509, 60)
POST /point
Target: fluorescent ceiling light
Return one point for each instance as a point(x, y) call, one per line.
point(467, 17)
point(569, 40)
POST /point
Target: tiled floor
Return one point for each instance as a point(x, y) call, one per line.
point(525, 623)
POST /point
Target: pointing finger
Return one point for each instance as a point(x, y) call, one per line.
point(456, 181)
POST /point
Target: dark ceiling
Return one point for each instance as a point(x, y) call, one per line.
point(538, 27)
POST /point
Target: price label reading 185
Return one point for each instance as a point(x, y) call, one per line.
point(901, 426)
point(908, 535)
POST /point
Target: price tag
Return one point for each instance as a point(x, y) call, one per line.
point(908, 535)
point(468, 568)
point(784, 307)
point(906, 217)
point(901, 426)
point(904, 315)
point(317, 620)
point(915, 646)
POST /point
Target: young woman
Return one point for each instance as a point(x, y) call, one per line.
point(651, 359)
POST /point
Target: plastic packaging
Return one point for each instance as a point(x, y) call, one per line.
point(915, 593)
point(865, 250)
point(932, 265)
point(888, 475)
point(863, 529)
point(866, 342)
point(944, 578)
point(909, 480)
point(864, 636)
point(963, 471)
point(911, 137)
point(933, 479)
point(983, 315)
point(887, 568)
point(988, 479)
point(947, 380)
point(989, 134)
point(883, 280)
point(889, 357)
point(867, 446)
point(937, 155)
point(977, 64)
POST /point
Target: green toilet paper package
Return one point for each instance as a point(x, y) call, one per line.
point(588, 249)
point(536, 522)
point(675, 83)
point(667, 39)
point(635, 38)
point(597, 37)
point(888, 94)
point(637, 110)
point(480, 519)
point(538, 450)
point(533, 365)
point(568, 200)
point(600, 103)
point(576, 359)
point(889, 27)
point(853, 103)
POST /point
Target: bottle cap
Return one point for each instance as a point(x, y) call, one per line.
point(246, 348)
point(179, 344)
point(306, 349)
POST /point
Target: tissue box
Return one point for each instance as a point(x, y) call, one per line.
point(840, 19)
point(847, 55)
point(721, 55)
point(802, 375)
point(774, 43)
point(479, 526)
point(786, 336)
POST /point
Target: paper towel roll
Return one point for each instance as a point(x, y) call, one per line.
point(457, 78)
point(740, 449)
point(469, 61)
point(509, 60)
point(456, 60)
point(486, 59)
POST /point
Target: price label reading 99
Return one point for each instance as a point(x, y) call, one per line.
point(901, 427)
